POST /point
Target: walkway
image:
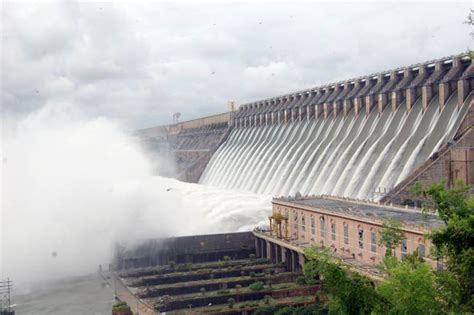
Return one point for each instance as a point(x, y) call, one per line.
point(123, 294)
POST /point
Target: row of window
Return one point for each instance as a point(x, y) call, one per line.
point(360, 234)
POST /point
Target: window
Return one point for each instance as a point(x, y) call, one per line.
point(333, 231)
point(373, 241)
point(303, 223)
point(404, 249)
point(421, 250)
point(346, 233)
point(361, 238)
point(295, 220)
point(322, 225)
point(313, 226)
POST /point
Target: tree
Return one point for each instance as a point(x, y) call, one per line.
point(349, 293)
point(455, 240)
point(311, 271)
point(410, 288)
point(391, 235)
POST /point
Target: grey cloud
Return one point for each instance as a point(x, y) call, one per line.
point(138, 62)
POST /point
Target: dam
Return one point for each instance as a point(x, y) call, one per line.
point(361, 138)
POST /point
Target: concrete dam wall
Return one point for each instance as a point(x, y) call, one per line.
point(359, 138)
point(188, 146)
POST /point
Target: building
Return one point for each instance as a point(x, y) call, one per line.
point(349, 228)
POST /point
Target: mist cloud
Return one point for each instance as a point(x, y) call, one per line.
point(72, 187)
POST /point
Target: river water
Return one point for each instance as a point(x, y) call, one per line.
point(75, 296)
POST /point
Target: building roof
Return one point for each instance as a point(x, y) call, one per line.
point(367, 210)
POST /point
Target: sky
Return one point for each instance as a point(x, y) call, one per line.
point(137, 62)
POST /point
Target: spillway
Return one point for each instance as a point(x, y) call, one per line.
point(350, 155)
point(353, 139)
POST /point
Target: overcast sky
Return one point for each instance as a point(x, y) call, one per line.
point(140, 62)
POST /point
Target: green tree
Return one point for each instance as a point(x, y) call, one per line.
point(455, 240)
point(391, 235)
point(349, 293)
point(311, 271)
point(410, 288)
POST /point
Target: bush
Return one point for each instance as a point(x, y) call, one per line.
point(287, 310)
point(301, 280)
point(252, 256)
point(202, 290)
point(121, 306)
point(256, 286)
point(267, 310)
point(226, 258)
point(238, 287)
point(267, 299)
point(172, 264)
point(252, 274)
point(313, 309)
point(231, 302)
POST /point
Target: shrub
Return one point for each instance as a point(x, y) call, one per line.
point(301, 280)
point(121, 306)
point(262, 260)
point(256, 286)
point(252, 256)
point(202, 290)
point(266, 310)
point(287, 310)
point(267, 299)
point(223, 291)
point(172, 264)
point(238, 287)
point(226, 258)
point(252, 274)
point(231, 302)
